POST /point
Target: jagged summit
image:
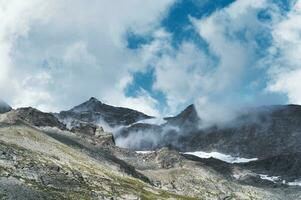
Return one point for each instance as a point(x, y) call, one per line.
point(94, 111)
point(93, 99)
point(92, 104)
point(188, 117)
point(4, 107)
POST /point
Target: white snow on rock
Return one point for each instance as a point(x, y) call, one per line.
point(270, 178)
point(220, 156)
point(295, 183)
point(277, 179)
point(144, 152)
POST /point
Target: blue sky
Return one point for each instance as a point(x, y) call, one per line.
point(177, 22)
point(156, 56)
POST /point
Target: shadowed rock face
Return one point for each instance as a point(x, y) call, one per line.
point(95, 111)
point(4, 107)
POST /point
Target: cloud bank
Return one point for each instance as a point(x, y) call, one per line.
point(55, 54)
point(58, 53)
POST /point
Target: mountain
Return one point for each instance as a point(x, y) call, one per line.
point(188, 117)
point(69, 155)
point(256, 132)
point(188, 120)
point(94, 111)
point(151, 136)
point(4, 107)
point(261, 132)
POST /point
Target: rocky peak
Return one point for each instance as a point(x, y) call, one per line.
point(94, 111)
point(93, 99)
point(4, 107)
point(188, 117)
point(92, 105)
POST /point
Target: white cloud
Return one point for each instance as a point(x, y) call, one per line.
point(16, 17)
point(179, 75)
point(284, 58)
point(54, 55)
point(190, 74)
point(230, 35)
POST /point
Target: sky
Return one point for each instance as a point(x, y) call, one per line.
point(155, 56)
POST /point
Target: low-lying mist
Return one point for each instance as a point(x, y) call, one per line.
point(144, 136)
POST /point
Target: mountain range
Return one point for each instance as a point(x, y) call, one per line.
point(98, 151)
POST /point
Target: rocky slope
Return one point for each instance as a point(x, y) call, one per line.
point(34, 165)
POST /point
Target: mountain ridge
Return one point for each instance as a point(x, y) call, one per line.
point(163, 170)
point(95, 111)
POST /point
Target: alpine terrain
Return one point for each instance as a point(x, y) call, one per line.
point(74, 155)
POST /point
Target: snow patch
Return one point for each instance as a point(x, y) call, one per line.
point(144, 152)
point(274, 179)
point(220, 156)
point(295, 183)
point(277, 179)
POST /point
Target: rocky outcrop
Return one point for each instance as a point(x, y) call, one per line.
point(34, 117)
point(93, 133)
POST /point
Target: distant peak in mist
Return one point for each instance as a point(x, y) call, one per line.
point(93, 99)
point(188, 115)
